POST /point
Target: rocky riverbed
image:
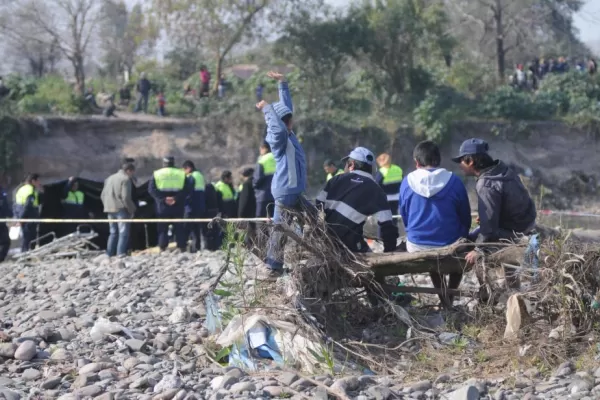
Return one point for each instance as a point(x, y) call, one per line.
point(52, 344)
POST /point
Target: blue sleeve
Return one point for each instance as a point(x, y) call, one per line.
point(259, 175)
point(154, 192)
point(285, 96)
point(404, 202)
point(379, 178)
point(277, 133)
point(464, 207)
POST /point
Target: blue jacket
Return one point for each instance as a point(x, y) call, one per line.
point(435, 207)
point(290, 177)
point(195, 204)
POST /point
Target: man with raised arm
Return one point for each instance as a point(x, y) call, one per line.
point(289, 180)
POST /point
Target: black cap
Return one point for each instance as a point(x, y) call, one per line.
point(471, 147)
point(169, 160)
point(248, 172)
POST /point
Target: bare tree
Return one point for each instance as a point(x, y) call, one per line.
point(67, 24)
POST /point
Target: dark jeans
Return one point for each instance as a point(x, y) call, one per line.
point(178, 228)
point(394, 209)
point(118, 240)
point(194, 233)
point(277, 240)
point(4, 242)
point(29, 232)
point(142, 103)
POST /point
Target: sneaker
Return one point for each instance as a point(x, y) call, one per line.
point(268, 274)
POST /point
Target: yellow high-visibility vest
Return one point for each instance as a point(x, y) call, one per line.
point(226, 192)
point(24, 192)
point(393, 174)
point(169, 179)
point(339, 172)
point(74, 198)
point(199, 184)
point(268, 163)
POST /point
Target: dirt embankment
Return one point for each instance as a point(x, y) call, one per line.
point(553, 155)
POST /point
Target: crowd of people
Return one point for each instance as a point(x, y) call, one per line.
point(431, 200)
point(529, 76)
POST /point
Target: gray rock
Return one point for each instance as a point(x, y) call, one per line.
point(60, 355)
point(9, 394)
point(500, 395)
point(241, 387)
point(320, 394)
point(287, 378)
point(130, 363)
point(422, 386)
point(345, 385)
point(274, 391)
point(580, 386)
point(443, 378)
point(51, 383)
point(90, 368)
point(48, 315)
point(135, 344)
point(105, 396)
point(465, 393)
point(31, 374)
point(7, 350)
point(89, 391)
point(379, 392)
point(26, 351)
point(166, 395)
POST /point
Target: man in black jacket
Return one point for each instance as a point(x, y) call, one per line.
point(143, 88)
point(504, 206)
point(348, 199)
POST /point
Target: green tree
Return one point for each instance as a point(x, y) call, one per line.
point(124, 35)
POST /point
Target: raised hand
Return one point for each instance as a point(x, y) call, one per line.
point(276, 75)
point(261, 105)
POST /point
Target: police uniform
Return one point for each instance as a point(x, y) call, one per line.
point(339, 172)
point(227, 199)
point(4, 213)
point(195, 207)
point(73, 206)
point(349, 198)
point(263, 177)
point(27, 203)
point(170, 182)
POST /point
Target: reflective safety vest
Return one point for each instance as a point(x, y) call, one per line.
point(169, 179)
point(24, 192)
point(226, 192)
point(268, 163)
point(199, 184)
point(393, 174)
point(75, 198)
point(339, 172)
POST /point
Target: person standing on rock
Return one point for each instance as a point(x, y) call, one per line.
point(289, 181)
point(263, 178)
point(195, 205)
point(169, 187)
point(27, 206)
point(117, 198)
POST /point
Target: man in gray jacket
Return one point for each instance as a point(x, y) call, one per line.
point(504, 206)
point(117, 197)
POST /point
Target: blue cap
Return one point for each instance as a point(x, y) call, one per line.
point(281, 109)
point(470, 147)
point(361, 154)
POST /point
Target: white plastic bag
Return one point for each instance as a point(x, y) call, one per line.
point(14, 233)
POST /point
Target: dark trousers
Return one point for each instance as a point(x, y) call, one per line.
point(29, 232)
point(178, 228)
point(4, 242)
point(265, 209)
point(194, 233)
point(394, 209)
point(213, 237)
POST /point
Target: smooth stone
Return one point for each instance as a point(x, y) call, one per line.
point(51, 383)
point(135, 344)
point(90, 368)
point(31, 374)
point(7, 350)
point(580, 386)
point(422, 386)
point(166, 395)
point(287, 378)
point(9, 394)
point(274, 391)
point(379, 392)
point(26, 351)
point(242, 387)
point(89, 391)
point(465, 393)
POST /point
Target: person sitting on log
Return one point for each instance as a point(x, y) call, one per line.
point(434, 206)
point(349, 198)
point(506, 211)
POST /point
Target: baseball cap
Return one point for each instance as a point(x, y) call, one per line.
point(470, 147)
point(361, 154)
point(169, 159)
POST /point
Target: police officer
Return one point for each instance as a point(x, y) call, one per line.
point(4, 213)
point(213, 236)
point(263, 177)
point(226, 195)
point(169, 187)
point(73, 203)
point(331, 169)
point(389, 177)
point(195, 205)
point(27, 204)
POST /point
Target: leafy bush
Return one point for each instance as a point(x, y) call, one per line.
point(20, 86)
point(506, 103)
point(53, 94)
point(435, 114)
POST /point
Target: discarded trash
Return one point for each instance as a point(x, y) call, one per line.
point(517, 309)
point(104, 327)
point(76, 244)
point(448, 338)
point(267, 339)
point(14, 233)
